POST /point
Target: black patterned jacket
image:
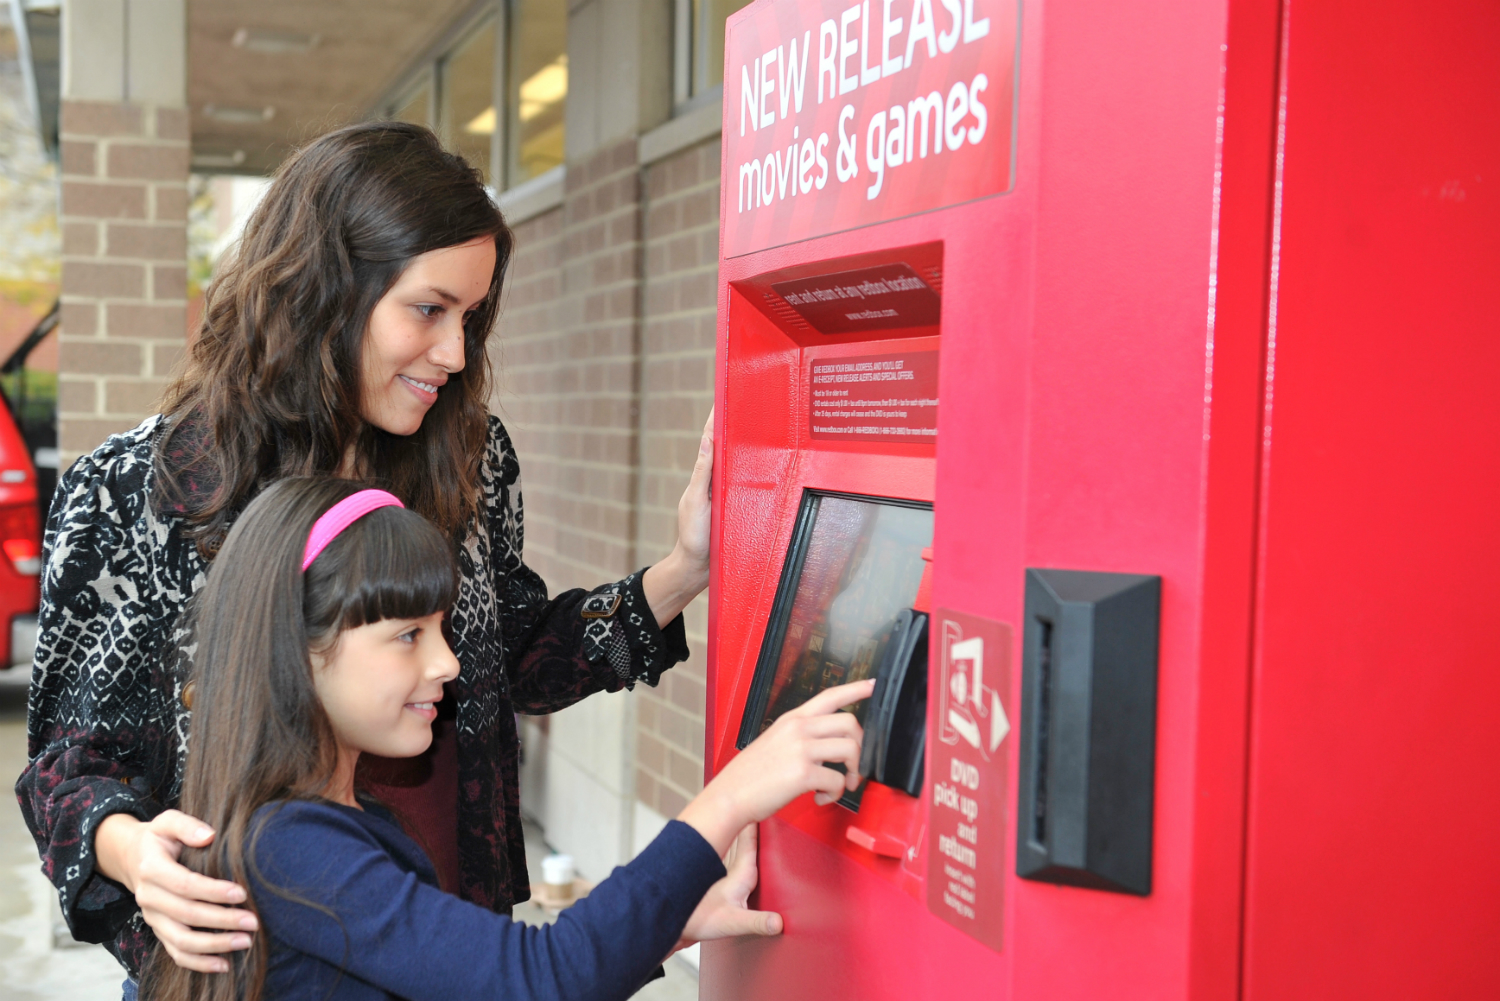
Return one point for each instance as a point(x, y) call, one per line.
point(106, 724)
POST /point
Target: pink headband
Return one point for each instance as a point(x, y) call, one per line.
point(339, 517)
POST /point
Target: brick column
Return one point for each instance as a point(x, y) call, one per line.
point(124, 152)
point(124, 286)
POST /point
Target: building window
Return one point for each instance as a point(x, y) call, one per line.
point(536, 88)
point(700, 40)
point(468, 99)
point(416, 106)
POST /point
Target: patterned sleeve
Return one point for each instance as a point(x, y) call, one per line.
point(560, 650)
point(96, 715)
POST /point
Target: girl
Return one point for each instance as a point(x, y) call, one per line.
point(318, 637)
point(347, 337)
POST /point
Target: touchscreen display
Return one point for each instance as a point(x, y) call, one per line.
point(853, 565)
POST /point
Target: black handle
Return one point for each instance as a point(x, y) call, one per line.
point(896, 721)
point(1088, 729)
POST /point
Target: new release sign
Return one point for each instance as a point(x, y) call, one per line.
point(837, 116)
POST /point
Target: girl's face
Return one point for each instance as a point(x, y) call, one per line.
point(415, 339)
point(380, 683)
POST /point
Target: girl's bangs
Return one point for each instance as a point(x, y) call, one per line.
point(397, 565)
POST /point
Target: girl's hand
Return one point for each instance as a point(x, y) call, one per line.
point(782, 764)
point(174, 900)
point(682, 576)
point(725, 909)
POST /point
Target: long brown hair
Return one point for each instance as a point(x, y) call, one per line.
point(272, 386)
point(259, 732)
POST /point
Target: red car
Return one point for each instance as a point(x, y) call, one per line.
point(20, 533)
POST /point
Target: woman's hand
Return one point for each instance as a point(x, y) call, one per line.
point(174, 900)
point(782, 764)
point(725, 909)
point(682, 576)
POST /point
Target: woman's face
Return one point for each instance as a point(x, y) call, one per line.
point(415, 339)
point(381, 682)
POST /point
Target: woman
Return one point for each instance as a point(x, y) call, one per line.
point(346, 338)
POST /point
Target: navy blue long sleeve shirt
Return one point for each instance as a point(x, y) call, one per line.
point(351, 908)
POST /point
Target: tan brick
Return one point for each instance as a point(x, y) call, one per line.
point(650, 753)
point(87, 278)
point(133, 161)
point(172, 123)
point(645, 789)
point(96, 118)
point(122, 396)
point(145, 322)
point(80, 319)
point(166, 357)
point(79, 157)
point(80, 239)
point(171, 203)
point(669, 802)
point(168, 281)
point(77, 396)
point(157, 243)
point(84, 434)
point(86, 357)
point(103, 201)
point(684, 772)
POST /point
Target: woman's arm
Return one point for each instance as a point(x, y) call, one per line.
point(559, 650)
point(100, 715)
point(175, 901)
point(674, 582)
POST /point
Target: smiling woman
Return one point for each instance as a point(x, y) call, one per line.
point(416, 336)
point(346, 338)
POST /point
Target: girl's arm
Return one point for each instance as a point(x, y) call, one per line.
point(345, 902)
point(407, 937)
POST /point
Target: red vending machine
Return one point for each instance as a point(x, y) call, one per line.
point(1115, 384)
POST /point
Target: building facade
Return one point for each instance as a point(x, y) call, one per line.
point(596, 124)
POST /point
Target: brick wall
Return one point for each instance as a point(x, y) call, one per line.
point(567, 373)
point(124, 279)
point(677, 359)
point(604, 363)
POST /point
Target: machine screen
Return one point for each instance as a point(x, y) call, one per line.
point(854, 563)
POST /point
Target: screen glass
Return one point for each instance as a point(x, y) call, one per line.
point(853, 565)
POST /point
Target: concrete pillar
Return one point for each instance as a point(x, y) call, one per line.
point(124, 153)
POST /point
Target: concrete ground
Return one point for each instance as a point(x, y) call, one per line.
point(39, 961)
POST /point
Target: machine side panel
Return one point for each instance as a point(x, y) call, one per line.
point(1374, 805)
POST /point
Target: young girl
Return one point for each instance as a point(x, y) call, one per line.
point(319, 636)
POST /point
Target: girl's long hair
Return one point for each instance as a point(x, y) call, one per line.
point(272, 385)
point(259, 732)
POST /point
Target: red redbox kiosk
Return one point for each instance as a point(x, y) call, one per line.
point(1115, 383)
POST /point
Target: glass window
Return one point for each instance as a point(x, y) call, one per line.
point(417, 107)
point(469, 99)
point(708, 17)
point(537, 88)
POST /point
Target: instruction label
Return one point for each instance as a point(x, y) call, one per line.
point(970, 748)
point(885, 297)
point(890, 397)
